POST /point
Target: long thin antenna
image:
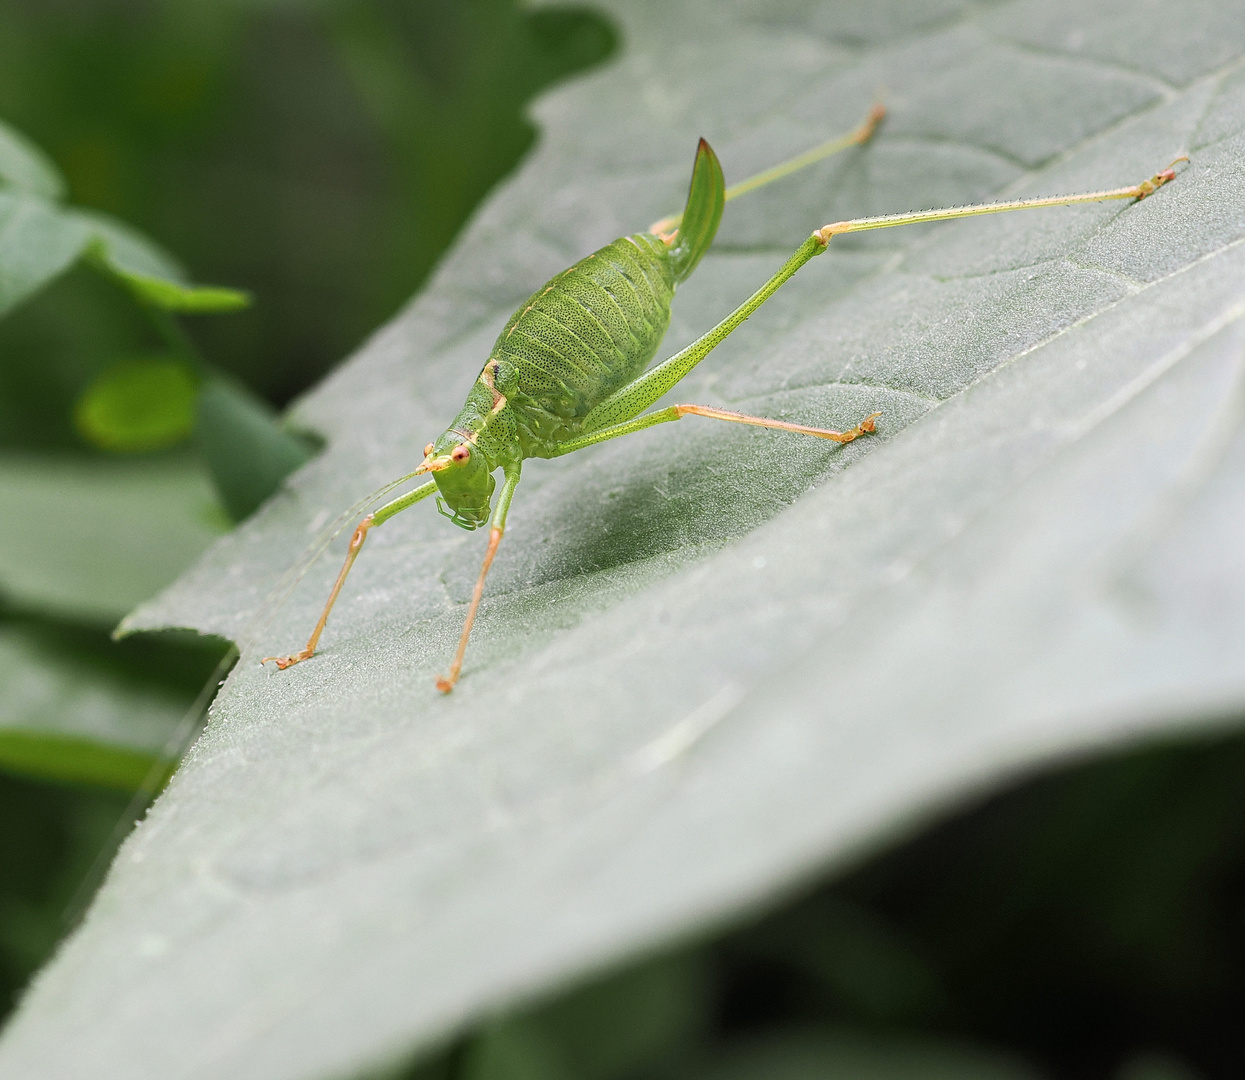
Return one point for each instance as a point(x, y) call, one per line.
point(192, 721)
point(280, 592)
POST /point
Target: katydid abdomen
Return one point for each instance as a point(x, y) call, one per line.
point(585, 335)
point(580, 337)
point(592, 329)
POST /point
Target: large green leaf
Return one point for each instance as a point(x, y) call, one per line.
point(713, 662)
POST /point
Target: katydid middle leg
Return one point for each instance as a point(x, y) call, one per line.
point(677, 412)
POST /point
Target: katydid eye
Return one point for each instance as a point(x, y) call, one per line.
point(460, 453)
point(428, 450)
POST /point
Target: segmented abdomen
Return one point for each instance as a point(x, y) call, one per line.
point(592, 329)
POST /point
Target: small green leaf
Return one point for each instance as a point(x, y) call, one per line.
point(145, 403)
point(39, 241)
point(151, 273)
point(190, 299)
point(23, 165)
point(64, 716)
point(247, 450)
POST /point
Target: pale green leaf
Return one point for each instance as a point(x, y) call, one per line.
point(89, 539)
point(23, 165)
point(150, 272)
point(713, 662)
point(38, 242)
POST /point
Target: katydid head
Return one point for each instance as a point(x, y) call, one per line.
point(464, 479)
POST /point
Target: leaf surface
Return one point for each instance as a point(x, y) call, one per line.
point(714, 662)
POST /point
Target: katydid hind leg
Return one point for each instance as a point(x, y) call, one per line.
point(646, 389)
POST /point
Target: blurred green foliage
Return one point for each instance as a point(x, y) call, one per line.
point(142, 403)
point(321, 155)
point(1089, 923)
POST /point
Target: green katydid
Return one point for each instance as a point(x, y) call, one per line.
point(571, 367)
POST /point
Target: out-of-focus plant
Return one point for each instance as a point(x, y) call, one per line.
point(148, 402)
point(247, 139)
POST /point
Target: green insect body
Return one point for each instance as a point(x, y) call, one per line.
point(580, 338)
point(571, 367)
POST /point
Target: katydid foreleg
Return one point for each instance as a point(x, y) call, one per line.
point(446, 684)
point(376, 517)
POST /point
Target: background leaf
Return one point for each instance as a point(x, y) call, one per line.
point(144, 403)
point(153, 275)
point(88, 539)
point(322, 155)
point(38, 242)
point(713, 662)
point(244, 445)
point(23, 165)
point(66, 718)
